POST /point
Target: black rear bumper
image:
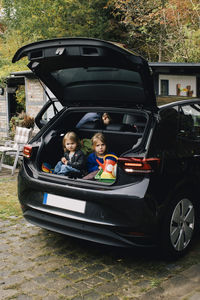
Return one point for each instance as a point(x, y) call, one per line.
point(93, 233)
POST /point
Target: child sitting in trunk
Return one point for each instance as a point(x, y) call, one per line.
point(73, 160)
point(99, 147)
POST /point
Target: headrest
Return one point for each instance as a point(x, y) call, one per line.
point(130, 119)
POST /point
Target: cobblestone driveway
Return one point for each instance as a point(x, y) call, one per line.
point(38, 264)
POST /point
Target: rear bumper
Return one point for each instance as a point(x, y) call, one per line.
point(82, 230)
point(116, 217)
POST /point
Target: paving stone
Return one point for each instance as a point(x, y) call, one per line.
point(29, 286)
point(39, 265)
point(4, 247)
point(106, 275)
point(51, 297)
point(51, 275)
point(13, 280)
point(91, 296)
point(81, 287)
point(178, 286)
point(117, 270)
point(195, 296)
point(93, 281)
point(6, 294)
point(193, 273)
point(94, 268)
point(108, 287)
point(58, 284)
point(40, 293)
point(131, 292)
point(68, 292)
point(24, 297)
point(76, 275)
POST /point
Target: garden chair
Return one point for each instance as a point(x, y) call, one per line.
point(14, 148)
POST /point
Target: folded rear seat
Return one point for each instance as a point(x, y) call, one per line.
point(120, 137)
point(88, 129)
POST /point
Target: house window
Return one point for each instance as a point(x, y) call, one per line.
point(164, 87)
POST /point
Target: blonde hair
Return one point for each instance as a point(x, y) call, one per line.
point(72, 136)
point(98, 136)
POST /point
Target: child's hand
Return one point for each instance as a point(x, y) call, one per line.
point(63, 159)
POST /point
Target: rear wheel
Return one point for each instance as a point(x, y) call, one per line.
point(179, 225)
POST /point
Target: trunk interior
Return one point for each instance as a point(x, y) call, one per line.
point(123, 134)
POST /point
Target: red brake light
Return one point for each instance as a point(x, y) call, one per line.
point(139, 165)
point(27, 151)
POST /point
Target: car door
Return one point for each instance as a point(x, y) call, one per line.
point(188, 138)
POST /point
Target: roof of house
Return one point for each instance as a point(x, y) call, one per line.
point(173, 64)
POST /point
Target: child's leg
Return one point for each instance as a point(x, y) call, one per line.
point(70, 169)
point(58, 167)
point(66, 169)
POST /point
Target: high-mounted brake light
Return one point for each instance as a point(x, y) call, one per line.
point(139, 165)
point(27, 151)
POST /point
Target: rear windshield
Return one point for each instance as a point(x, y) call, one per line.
point(96, 74)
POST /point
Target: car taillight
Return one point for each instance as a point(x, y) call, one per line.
point(139, 165)
point(27, 151)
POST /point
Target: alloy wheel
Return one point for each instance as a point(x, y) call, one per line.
point(182, 224)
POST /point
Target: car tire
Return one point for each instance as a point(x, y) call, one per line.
point(179, 225)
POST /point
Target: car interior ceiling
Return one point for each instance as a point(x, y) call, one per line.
point(121, 135)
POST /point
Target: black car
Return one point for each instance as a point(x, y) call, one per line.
point(154, 199)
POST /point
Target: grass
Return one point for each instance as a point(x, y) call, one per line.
point(9, 204)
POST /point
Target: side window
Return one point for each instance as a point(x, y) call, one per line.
point(48, 111)
point(189, 122)
point(189, 129)
point(51, 111)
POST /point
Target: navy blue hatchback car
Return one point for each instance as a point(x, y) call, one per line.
point(153, 200)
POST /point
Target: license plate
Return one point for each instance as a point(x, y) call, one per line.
point(64, 202)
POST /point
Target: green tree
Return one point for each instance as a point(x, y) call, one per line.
point(182, 24)
point(39, 19)
point(144, 24)
point(161, 29)
point(33, 20)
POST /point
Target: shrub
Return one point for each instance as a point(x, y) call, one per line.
point(21, 120)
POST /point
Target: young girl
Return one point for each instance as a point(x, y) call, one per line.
point(73, 159)
point(99, 147)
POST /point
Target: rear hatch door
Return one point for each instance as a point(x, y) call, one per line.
point(89, 72)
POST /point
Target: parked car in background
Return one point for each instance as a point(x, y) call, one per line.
point(154, 199)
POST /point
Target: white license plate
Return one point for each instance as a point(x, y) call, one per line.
point(64, 202)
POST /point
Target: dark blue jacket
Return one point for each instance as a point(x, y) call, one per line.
point(92, 164)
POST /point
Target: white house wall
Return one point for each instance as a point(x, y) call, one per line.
point(184, 81)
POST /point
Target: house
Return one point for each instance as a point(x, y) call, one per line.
point(170, 79)
point(176, 79)
point(34, 93)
